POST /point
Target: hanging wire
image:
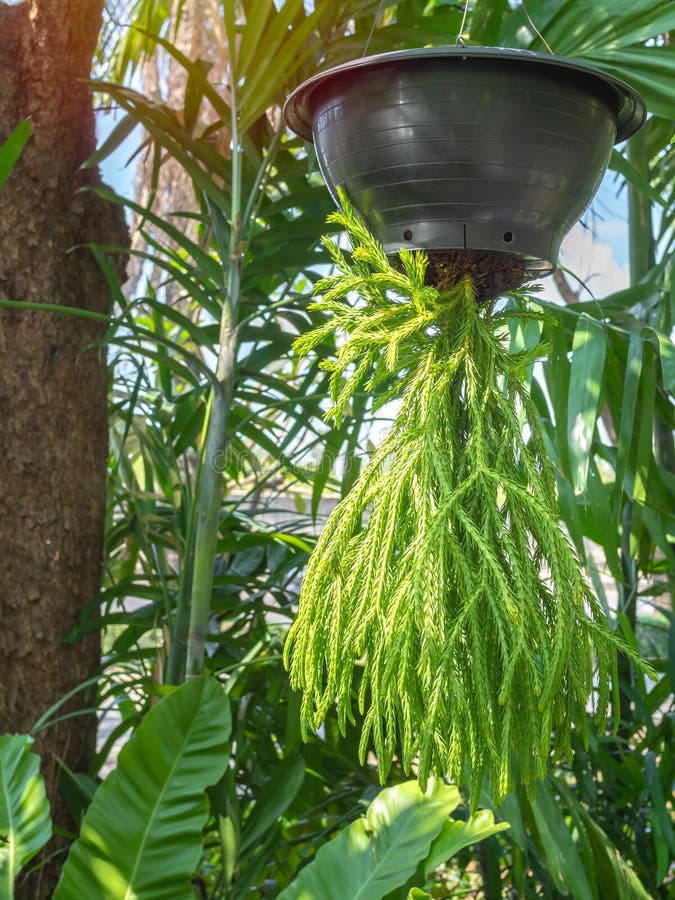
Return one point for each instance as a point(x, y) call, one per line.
point(459, 42)
point(529, 19)
point(372, 28)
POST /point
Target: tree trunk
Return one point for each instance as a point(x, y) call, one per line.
point(53, 386)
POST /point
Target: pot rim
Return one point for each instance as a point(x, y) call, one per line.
point(631, 109)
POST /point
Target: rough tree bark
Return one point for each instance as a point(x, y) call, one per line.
point(53, 410)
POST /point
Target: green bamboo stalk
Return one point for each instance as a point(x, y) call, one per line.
point(210, 477)
point(197, 575)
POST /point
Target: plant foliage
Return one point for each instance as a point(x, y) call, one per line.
point(11, 150)
point(25, 825)
point(402, 830)
point(599, 393)
point(142, 833)
point(442, 590)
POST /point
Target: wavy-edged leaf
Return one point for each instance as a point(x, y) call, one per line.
point(455, 835)
point(142, 834)
point(378, 852)
point(25, 823)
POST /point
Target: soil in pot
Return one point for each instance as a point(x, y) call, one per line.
point(491, 274)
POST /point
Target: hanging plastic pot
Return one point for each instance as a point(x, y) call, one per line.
point(493, 151)
point(442, 604)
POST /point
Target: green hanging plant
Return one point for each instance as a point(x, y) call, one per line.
point(442, 598)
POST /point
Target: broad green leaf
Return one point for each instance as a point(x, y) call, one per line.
point(511, 811)
point(12, 148)
point(516, 29)
point(456, 834)
point(25, 824)
point(379, 852)
point(583, 405)
point(142, 835)
point(557, 370)
point(331, 449)
point(575, 27)
point(606, 35)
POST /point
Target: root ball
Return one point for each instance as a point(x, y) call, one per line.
point(492, 274)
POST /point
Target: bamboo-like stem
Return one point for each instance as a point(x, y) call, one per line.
point(192, 614)
point(209, 489)
point(210, 477)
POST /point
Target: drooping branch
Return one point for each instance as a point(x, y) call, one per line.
point(442, 601)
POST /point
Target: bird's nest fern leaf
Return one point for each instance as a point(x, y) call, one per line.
point(442, 599)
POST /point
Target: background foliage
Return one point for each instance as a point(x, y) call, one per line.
point(221, 466)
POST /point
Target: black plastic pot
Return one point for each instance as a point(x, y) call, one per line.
point(456, 147)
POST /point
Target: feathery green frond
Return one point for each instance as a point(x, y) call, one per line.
point(442, 599)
